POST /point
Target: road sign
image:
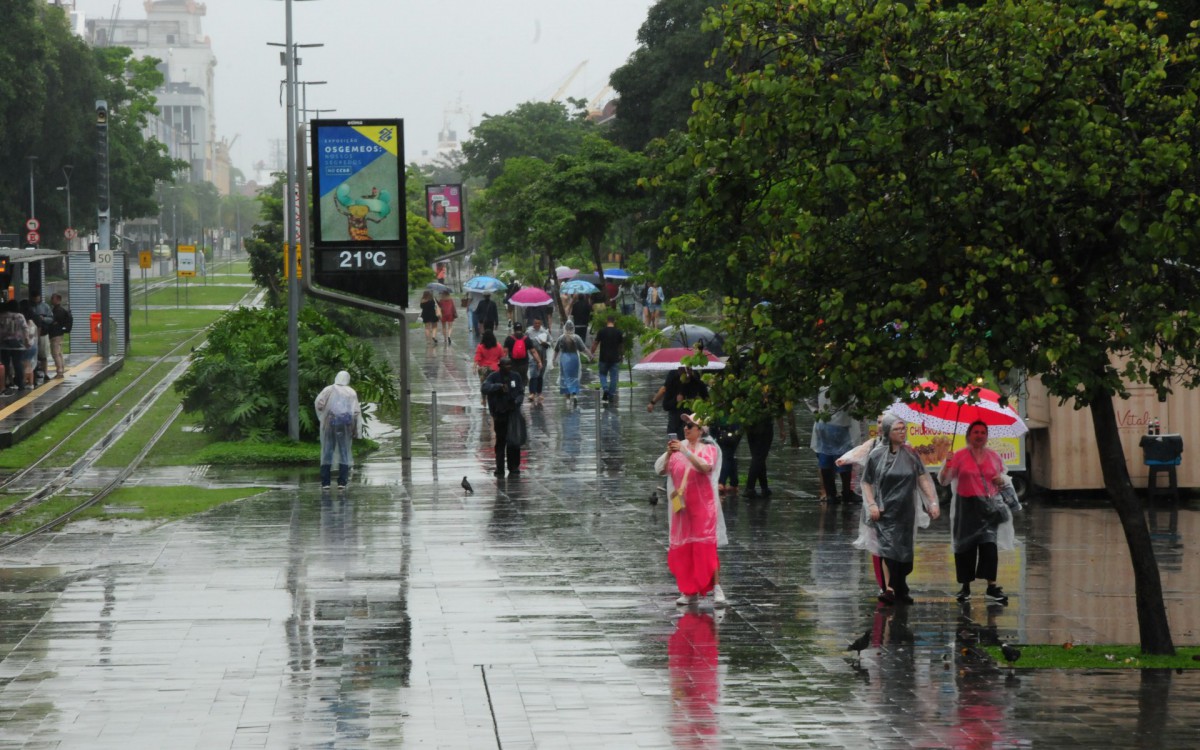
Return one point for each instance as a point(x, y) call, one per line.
point(145, 259)
point(70, 233)
point(33, 225)
point(104, 275)
point(33, 237)
point(104, 266)
point(185, 264)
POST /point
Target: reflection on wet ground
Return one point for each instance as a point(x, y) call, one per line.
point(539, 613)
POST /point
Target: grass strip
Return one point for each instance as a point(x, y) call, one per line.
point(1096, 656)
point(197, 294)
point(141, 502)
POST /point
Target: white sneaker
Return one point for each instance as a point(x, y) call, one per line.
point(719, 599)
point(684, 600)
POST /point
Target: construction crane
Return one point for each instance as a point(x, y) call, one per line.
point(595, 106)
point(563, 88)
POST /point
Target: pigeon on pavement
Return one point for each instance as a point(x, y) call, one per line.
point(467, 486)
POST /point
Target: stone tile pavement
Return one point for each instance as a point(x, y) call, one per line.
point(539, 613)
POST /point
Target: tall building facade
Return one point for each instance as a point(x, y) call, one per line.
point(172, 32)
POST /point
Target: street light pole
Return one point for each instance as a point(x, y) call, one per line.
point(32, 209)
point(67, 173)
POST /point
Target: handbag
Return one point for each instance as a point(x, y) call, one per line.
point(517, 433)
point(677, 502)
point(994, 509)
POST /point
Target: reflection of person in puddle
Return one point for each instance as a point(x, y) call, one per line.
point(692, 655)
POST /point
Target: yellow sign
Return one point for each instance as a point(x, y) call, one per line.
point(935, 447)
point(145, 259)
point(185, 260)
point(299, 262)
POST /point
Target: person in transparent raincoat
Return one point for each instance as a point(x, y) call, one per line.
point(898, 492)
point(698, 528)
point(341, 421)
point(975, 473)
point(856, 459)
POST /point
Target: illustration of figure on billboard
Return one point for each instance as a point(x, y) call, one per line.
point(438, 218)
point(374, 207)
point(357, 175)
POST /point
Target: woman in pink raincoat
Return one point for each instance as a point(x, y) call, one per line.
point(692, 464)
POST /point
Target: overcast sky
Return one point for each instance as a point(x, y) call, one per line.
point(387, 58)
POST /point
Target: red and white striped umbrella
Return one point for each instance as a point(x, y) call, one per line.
point(955, 411)
point(664, 360)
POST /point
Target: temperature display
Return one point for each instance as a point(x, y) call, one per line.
point(361, 260)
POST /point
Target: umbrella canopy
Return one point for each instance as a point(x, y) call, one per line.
point(590, 277)
point(435, 286)
point(565, 272)
point(953, 413)
point(663, 360)
point(575, 286)
point(616, 273)
point(530, 297)
point(689, 335)
point(484, 284)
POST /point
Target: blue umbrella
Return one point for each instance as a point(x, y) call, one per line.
point(484, 284)
point(574, 286)
point(616, 273)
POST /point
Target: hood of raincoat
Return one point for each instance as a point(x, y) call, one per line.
point(342, 378)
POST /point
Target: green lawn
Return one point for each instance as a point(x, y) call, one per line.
point(195, 293)
point(1070, 656)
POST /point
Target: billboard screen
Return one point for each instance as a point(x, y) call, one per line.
point(358, 181)
point(444, 210)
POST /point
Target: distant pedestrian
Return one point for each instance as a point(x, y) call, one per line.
point(449, 315)
point(540, 336)
point(832, 438)
point(487, 316)
point(611, 343)
point(32, 337)
point(679, 388)
point(14, 340)
point(64, 321)
point(581, 315)
point(627, 299)
point(340, 416)
point(697, 525)
point(430, 314)
point(522, 351)
point(654, 304)
point(487, 355)
point(728, 436)
point(897, 491)
point(976, 473)
point(43, 315)
point(760, 436)
point(504, 391)
point(567, 351)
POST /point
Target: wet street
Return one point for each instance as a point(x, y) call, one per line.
point(539, 612)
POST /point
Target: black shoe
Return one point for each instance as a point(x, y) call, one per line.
point(905, 599)
point(514, 474)
point(996, 594)
point(766, 492)
point(751, 495)
point(498, 473)
point(964, 594)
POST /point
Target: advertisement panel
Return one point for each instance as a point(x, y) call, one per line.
point(357, 173)
point(444, 210)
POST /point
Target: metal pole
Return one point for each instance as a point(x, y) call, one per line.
point(405, 395)
point(599, 465)
point(290, 237)
point(32, 211)
point(433, 421)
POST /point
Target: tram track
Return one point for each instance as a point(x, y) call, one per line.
point(65, 477)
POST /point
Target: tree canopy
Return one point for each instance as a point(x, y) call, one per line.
point(543, 130)
point(924, 191)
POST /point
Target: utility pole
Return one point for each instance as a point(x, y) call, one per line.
point(104, 228)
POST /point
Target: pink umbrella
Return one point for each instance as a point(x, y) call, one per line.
point(530, 296)
point(663, 360)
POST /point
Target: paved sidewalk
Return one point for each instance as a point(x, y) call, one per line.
point(539, 613)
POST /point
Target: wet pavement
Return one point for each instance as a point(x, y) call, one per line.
point(539, 612)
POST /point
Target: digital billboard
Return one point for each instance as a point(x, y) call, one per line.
point(358, 181)
point(444, 210)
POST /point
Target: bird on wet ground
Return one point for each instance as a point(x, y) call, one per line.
point(1011, 653)
point(467, 486)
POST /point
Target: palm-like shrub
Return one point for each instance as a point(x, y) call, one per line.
point(238, 381)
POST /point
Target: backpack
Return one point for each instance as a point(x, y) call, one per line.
point(12, 331)
point(653, 296)
point(518, 350)
point(63, 322)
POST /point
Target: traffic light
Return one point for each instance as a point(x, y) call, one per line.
point(92, 248)
point(101, 112)
point(102, 157)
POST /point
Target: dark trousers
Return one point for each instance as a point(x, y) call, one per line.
point(981, 561)
point(14, 367)
point(896, 575)
point(729, 446)
point(829, 480)
point(503, 449)
point(759, 438)
point(343, 474)
point(674, 423)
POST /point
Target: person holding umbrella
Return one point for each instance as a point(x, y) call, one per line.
point(895, 485)
point(976, 473)
point(486, 314)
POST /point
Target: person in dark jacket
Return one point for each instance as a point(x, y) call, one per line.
point(486, 314)
point(505, 390)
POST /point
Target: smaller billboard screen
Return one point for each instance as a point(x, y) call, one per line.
point(444, 208)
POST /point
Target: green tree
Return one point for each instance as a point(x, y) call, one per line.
point(656, 86)
point(958, 191)
point(542, 130)
point(238, 382)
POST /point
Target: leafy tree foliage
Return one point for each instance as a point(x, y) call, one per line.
point(47, 110)
point(921, 190)
point(238, 382)
point(542, 130)
point(656, 86)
